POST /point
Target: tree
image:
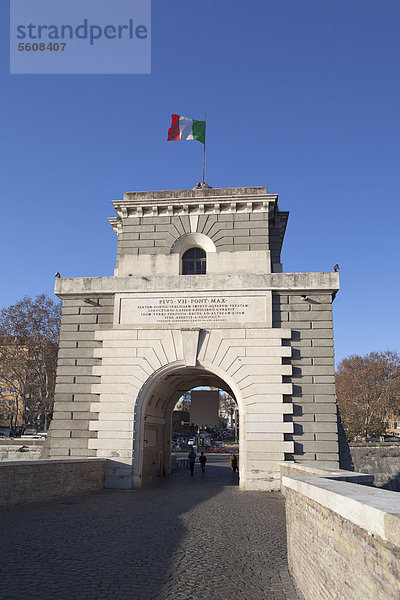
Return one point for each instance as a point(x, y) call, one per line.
point(29, 337)
point(368, 391)
point(227, 407)
point(184, 402)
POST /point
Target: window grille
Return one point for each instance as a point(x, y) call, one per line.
point(194, 262)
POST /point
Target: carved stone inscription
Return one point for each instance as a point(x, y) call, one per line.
point(192, 309)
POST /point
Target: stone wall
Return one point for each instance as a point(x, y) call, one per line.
point(231, 221)
point(22, 482)
point(105, 360)
point(20, 449)
point(382, 459)
point(343, 539)
point(157, 235)
point(309, 316)
point(221, 214)
point(73, 408)
point(249, 358)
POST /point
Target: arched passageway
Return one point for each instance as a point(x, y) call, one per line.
point(144, 372)
point(153, 422)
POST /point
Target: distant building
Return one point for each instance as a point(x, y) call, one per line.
point(392, 425)
point(181, 422)
point(9, 408)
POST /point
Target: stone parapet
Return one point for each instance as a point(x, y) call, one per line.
point(198, 201)
point(343, 538)
point(380, 458)
point(20, 449)
point(22, 482)
point(291, 469)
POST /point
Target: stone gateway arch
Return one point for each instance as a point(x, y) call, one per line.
point(198, 298)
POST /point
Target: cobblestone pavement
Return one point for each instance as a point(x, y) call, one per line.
point(185, 538)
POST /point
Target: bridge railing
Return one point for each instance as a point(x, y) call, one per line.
point(343, 538)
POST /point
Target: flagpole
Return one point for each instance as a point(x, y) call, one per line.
point(204, 155)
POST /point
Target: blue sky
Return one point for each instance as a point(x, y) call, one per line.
point(301, 95)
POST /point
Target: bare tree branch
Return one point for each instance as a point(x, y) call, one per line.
point(368, 391)
point(29, 336)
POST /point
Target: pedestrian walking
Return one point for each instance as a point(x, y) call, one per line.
point(192, 459)
point(234, 462)
point(202, 461)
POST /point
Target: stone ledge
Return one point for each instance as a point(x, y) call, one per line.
point(86, 286)
point(49, 461)
point(374, 510)
point(15, 442)
point(372, 445)
point(292, 469)
point(198, 192)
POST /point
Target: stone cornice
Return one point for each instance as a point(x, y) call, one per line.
point(195, 202)
point(291, 282)
point(116, 224)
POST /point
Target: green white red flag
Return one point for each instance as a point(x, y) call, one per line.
point(183, 128)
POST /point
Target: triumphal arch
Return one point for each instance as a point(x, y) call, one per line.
point(198, 298)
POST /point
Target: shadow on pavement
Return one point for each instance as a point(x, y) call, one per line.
point(108, 544)
point(183, 538)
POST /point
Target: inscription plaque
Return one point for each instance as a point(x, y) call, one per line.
point(192, 309)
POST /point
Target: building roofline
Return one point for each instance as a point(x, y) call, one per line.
point(196, 202)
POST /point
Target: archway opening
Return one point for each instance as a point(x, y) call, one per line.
point(160, 434)
point(212, 432)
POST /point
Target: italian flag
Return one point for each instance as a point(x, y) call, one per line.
point(183, 128)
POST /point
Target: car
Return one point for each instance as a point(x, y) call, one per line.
point(30, 430)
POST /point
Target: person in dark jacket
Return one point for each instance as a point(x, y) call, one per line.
point(202, 461)
point(234, 462)
point(192, 459)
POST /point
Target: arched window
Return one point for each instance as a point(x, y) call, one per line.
point(194, 262)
